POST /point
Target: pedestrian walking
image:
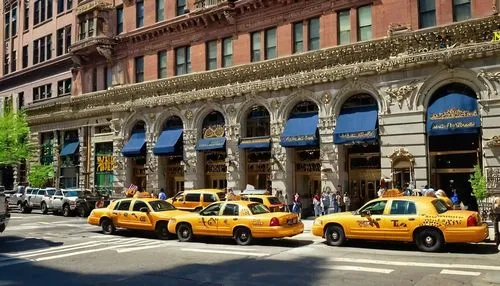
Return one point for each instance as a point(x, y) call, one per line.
point(347, 202)
point(317, 205)
point(297, 205)
point(331, 197)
point(162, 195)
point(325, 200)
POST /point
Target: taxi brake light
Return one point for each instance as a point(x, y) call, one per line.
point(471, 220)
point(274, 222)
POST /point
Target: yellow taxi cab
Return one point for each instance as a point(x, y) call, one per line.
point(196, 200)
point(135, 213)
point(263, 197)
point(426, 221)
point(242, 220)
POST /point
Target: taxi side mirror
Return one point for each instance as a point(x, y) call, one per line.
point(365, 213)
point(144, 210)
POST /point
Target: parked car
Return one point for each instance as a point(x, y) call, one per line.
point(18, 196)
point(38, 199)
point(89, 201)
point(64, 201)
point(24, 204)
point(4, 211)
point(196, 200)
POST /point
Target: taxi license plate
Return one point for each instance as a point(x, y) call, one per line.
point(292, 221)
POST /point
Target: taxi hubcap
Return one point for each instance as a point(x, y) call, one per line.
point(243, 235)
point(429, 241)
point(185, 233)
point(335, 235)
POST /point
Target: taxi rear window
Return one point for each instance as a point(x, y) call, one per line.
point(274, 200)
point(440, 206)
point(258, 209)
point(222, 196)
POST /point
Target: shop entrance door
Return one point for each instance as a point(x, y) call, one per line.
point(364, 177)
point(216, 181)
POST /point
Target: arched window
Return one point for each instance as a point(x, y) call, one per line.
point(172, 123)
point(305, 107)
point(213, 125)
point(258, 122)
point(359, 100)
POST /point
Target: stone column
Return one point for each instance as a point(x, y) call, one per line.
point(152, 164)
point(82, 168)
point(55, 153)
point(281, 166)
point(233, 153)
point(92, 169)
point(328, 155)
point(191, 176)
point(119, 170)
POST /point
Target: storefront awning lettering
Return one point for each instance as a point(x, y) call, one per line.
point(69, 148)
point(255, 143)
point(356, 124)
point(454, 113)
point(135, 145)
point(301, 130)
point(167, 141)
point(211, 143)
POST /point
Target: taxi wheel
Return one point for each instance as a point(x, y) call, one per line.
point(162, 231)
point(44, 208)
point(184, 233)
point(107, 226)
point(429, 240)
point(334, 235)
point(243, 236)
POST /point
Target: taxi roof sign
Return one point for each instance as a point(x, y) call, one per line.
point(392, 193)
point(254, 192)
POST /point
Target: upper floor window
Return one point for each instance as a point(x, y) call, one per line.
point(7, 25)
point(26, 24)
point(211, 55)
point(87, 28)
point(227, 52)
point(270, 43)
point(94, 79)
point(10, 21)
point(25, 57)
point(139, 69)
point(6, 64)
point(182, 60)
point(108, 77)
point(42, 92)
point(139, 14)
point(255, 47)
point(43, 11)
point(313, 34)
point(63, 40)
point(64, 87)
point(13, 62)
point(162, 64)
point(298, 37)
point(344, 27)
point(119, 20)
point(20, 100)
point(160, 10)
point(60, 5)
point(181, 5)
point(461, 10)
point(426, 13)
point(42, 49)
point(365, 23)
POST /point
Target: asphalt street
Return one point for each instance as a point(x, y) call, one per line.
point(41, 249)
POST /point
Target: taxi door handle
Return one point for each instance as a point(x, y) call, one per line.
point(133, 214)
point(377, 219)
point(411, 219)
point(235, 219)
point(115, 213)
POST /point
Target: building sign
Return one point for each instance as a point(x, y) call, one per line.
point(105, 163)
point(496, 37)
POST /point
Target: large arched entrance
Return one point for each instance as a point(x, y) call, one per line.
point(357, 131)
point(170, 149)
point(301, 134)
point(453, 130)
point(135, 151)
point(213, 146)
point(257, 145)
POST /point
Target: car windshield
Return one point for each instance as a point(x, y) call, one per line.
point(258, 209)
point(274, 200)
point(71, 193)
point(440, 206)
point(160, 206)
point(51, 192)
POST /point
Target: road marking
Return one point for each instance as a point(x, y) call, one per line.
point(158, 244)
point(84, 221)
point(61, 247)
point(224, 252)
point(457, 272)
point(416, 264)
point(14, 262)
point(16, 217)
point(44, 222)
point(358, 268)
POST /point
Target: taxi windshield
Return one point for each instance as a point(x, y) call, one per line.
point(160, 206)
point(258, 209)
point(440, 206)
point(274, 200)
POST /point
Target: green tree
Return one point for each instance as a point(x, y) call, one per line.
point(14, 131)
point(40, 175)
point(478, 183)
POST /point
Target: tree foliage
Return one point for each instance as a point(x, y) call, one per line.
point(40, 175)
point(14, 143)
point(478, 183)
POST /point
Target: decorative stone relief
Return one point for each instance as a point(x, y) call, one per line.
point(326, 97)
point(401, 153)
point(189, 115)
point(400, 94)
point(275, 104)
point(233, 132)
point(494, 142)
point(493, 76)
point(276, 129)
point(231, 110)
point(325, 125)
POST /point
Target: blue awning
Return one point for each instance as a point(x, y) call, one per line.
point(454, 113)
point(356, 124)
point(211, 143)
point(255, 143)
point(167, 141)
point(69, 148)
point(135, 145)
point(301, 130)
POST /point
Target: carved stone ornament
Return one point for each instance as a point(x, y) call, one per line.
point(189, 115)
point(401, 153)
point(326, 98)
point(275, 104)
point(400, 93)
point(493, 76)
point(494, 142)
point(105, 51)
point(231, 110)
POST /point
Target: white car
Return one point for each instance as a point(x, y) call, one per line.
point(64, 201)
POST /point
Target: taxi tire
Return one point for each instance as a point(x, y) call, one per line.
point(66, 210)
point(184, 233)
point(334, 235)
point(107, 226)
point(243, 236)
point(161, 231)
point(429, 236)
point(44, 208)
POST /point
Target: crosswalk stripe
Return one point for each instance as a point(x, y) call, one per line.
point(14, 262)
point(358, 268)
point(224, 252)
point(159, 244)
point(416, 264)
point(457, 272)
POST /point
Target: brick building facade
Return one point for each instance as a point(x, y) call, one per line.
point(301, 96)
